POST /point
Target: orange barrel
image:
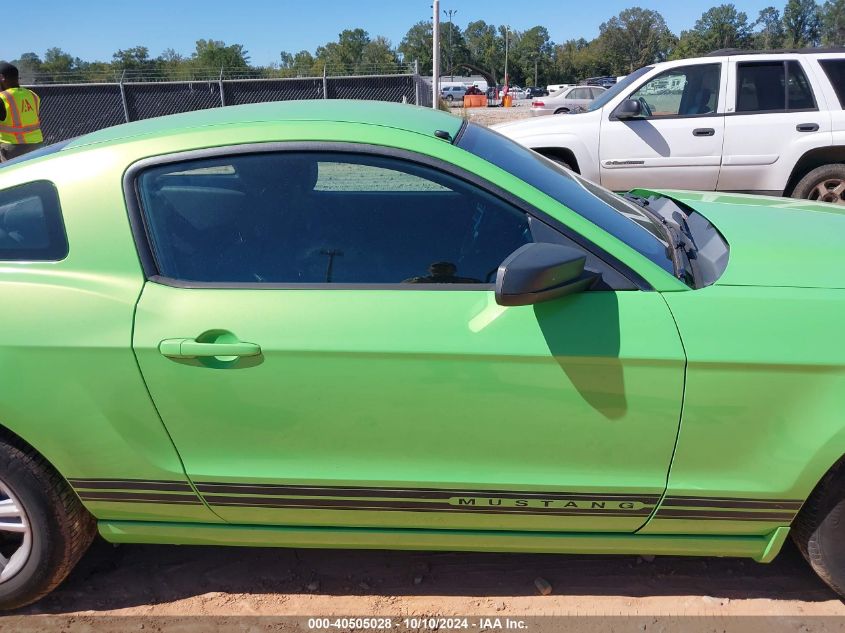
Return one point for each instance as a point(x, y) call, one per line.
point(507, 101)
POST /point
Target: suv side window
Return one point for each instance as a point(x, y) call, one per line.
point(835, 71)
point(773, 87)
point(324, 217)
point(31, 226)
point(684, 91)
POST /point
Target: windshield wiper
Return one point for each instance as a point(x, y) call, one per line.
point(678, 238)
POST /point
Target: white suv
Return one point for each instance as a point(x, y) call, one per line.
point(767, 123)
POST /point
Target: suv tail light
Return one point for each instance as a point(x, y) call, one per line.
point(537, 104)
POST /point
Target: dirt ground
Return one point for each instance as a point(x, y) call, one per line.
point(185, 581)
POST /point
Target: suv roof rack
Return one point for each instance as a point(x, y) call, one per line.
point(722, 52)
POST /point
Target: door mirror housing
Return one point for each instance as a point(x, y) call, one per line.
point(541, 272)
point(628, 109)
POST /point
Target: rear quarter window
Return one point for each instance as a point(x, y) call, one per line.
point(835, 71)
point(31, 226)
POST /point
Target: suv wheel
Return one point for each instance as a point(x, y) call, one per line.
point(44, 529)
point(824, 184)
point(818, 529)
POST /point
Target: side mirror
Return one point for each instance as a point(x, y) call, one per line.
point(628, 109)
point(541, 272)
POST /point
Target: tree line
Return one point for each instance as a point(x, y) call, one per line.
point(633, 38)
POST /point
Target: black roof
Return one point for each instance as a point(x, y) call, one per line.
point(801, 51)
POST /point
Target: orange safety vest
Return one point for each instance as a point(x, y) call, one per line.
point(22, 124)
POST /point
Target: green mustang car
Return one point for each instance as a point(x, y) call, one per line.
point(370, 325)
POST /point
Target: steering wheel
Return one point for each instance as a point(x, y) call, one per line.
point(644, 107)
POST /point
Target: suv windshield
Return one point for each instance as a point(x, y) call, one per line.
point(617, 88)
point(622, 219)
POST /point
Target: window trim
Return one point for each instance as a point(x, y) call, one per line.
point(785, 64)
point(143, 240)
point(670, 117)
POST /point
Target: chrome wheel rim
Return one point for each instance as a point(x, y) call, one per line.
point(830, 190)
point(15, 534)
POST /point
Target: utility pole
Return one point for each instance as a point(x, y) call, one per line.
point(435, 66)
point(450, 13)
point(507, 31)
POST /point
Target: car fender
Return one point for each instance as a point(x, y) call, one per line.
point(586, 156)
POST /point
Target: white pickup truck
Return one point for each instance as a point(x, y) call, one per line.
point(767, 123)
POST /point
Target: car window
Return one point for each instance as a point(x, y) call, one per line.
point(684, 91)
point(580, 93)
point(31, 226)
point(772, 87)
point(617, 88)
point(614, 214)
point(321, 217)
point(596, 92)
point(835, 71)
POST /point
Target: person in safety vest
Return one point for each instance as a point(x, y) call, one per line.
point(20, 116)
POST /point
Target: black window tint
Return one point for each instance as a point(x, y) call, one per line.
point(772, 87)
point(612, 213)
point(31, 226)
point(324, 218)
point(799, 95)
point(835, 71)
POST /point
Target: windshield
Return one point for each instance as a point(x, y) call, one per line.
point(622, 219)
point(617, 88)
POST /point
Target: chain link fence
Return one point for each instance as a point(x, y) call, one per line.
point(69, 110)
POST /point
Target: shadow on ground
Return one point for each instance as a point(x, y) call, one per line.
point(111, 577)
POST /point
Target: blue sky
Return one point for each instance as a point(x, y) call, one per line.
point(94, 29)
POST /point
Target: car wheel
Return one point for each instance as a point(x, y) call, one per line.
point(44, 529)
point(818, 529)
point(561, 110)
point(450, 98)
point(824, 184)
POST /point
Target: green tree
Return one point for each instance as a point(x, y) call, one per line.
point(534, 55)
point(833, 23)
point(29, 66)
point(215, 54)
point(417, 46)
point(771, 34)
point(58, 61)
point(717, 28)
point(802, 22)
point(346, 54)
point(378, 55)
point(635, 38)
point(485, 48)
point(134, 59)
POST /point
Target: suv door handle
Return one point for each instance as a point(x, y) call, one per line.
point(807, 127)
point(703, 131)
point(190, 348)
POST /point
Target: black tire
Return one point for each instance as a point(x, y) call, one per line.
point(61, 528)
point(818, 529)
point(562, 111)
point(823, 184)
point(450, 98)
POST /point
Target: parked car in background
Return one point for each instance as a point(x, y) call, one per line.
point(535, 91)
point(769, 123)
point(453, 93)
point(566, 100)
point(357, 324)
point(553, 88)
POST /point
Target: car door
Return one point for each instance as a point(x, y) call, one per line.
point(677, 141)
point(773, 119)
point(579, 98)
point(328, 351)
